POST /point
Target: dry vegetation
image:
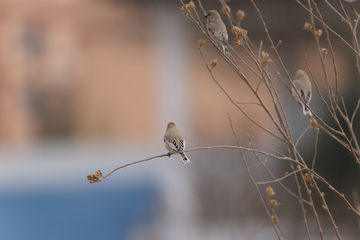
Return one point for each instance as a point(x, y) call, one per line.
point(310, 184)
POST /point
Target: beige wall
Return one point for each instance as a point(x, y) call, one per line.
point(73, 68)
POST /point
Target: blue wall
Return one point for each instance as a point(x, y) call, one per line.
point(94, 212)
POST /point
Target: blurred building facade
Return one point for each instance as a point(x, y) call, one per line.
point(91, 69)
point(73, 68)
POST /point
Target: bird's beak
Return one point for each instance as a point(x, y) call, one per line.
point(206, 15)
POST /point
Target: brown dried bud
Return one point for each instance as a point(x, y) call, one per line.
point(92, 178)
point(89, 177)
point(274, 203)
point(201, 42)
point(270, 191)
point(265, 60)
point(183, 10)
point(240, 15)
point(99, 173)
point(226, 9)
point(313, 123)
point(214, 63)
point(307, 177)
point(237, 41)
point(324, 51)
point(262, 63)
point(236, 31)
point(190, 5)
point(308, 26)
point(318, 32)
point(274, 219)
point(266, 57)
point(243, 33)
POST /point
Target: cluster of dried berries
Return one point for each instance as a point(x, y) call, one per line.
point(93, 178)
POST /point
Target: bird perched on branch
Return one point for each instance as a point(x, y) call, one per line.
point(303, 87)
point(174, 142)
point(217, 29)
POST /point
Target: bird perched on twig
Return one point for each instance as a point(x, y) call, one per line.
point(217, 29)
point(303, 87)
point(174, 142)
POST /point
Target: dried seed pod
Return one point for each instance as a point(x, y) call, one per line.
point(236, 31)
point(274, 203)
point(313, 123)
point(266, 57)
point(183, 10)
point(237, 41)
point(265, 60)
point(99, 173)
point(214, 63)
point(190, 5)
point(274, 219)
point(93, 178)
point(308, 26)
point(240, 15)
point(318, 32)
point(262, 63)
point(225, 10)
point(270, 191)
point(307, 177)
point(324, 51)
point(243, 33)
point(201, 42)
point(90, 177)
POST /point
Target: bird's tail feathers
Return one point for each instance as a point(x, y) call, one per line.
point(185, 159)
point(226, 50)
point(306, 111)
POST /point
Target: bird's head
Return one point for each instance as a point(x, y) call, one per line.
point(212, 14)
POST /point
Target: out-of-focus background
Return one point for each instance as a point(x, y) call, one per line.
point(87, 85)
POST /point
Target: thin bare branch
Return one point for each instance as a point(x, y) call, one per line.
point(249, 103)
point(280, 179)
point(200, 5)
point(302, 134)
point(326, 208)
point(129, 164)
point(329, 28)
point(316, 144)
point(355, 111)
point(257, 157)
point(234, 103)
point(336, 95)
point(316, 85)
